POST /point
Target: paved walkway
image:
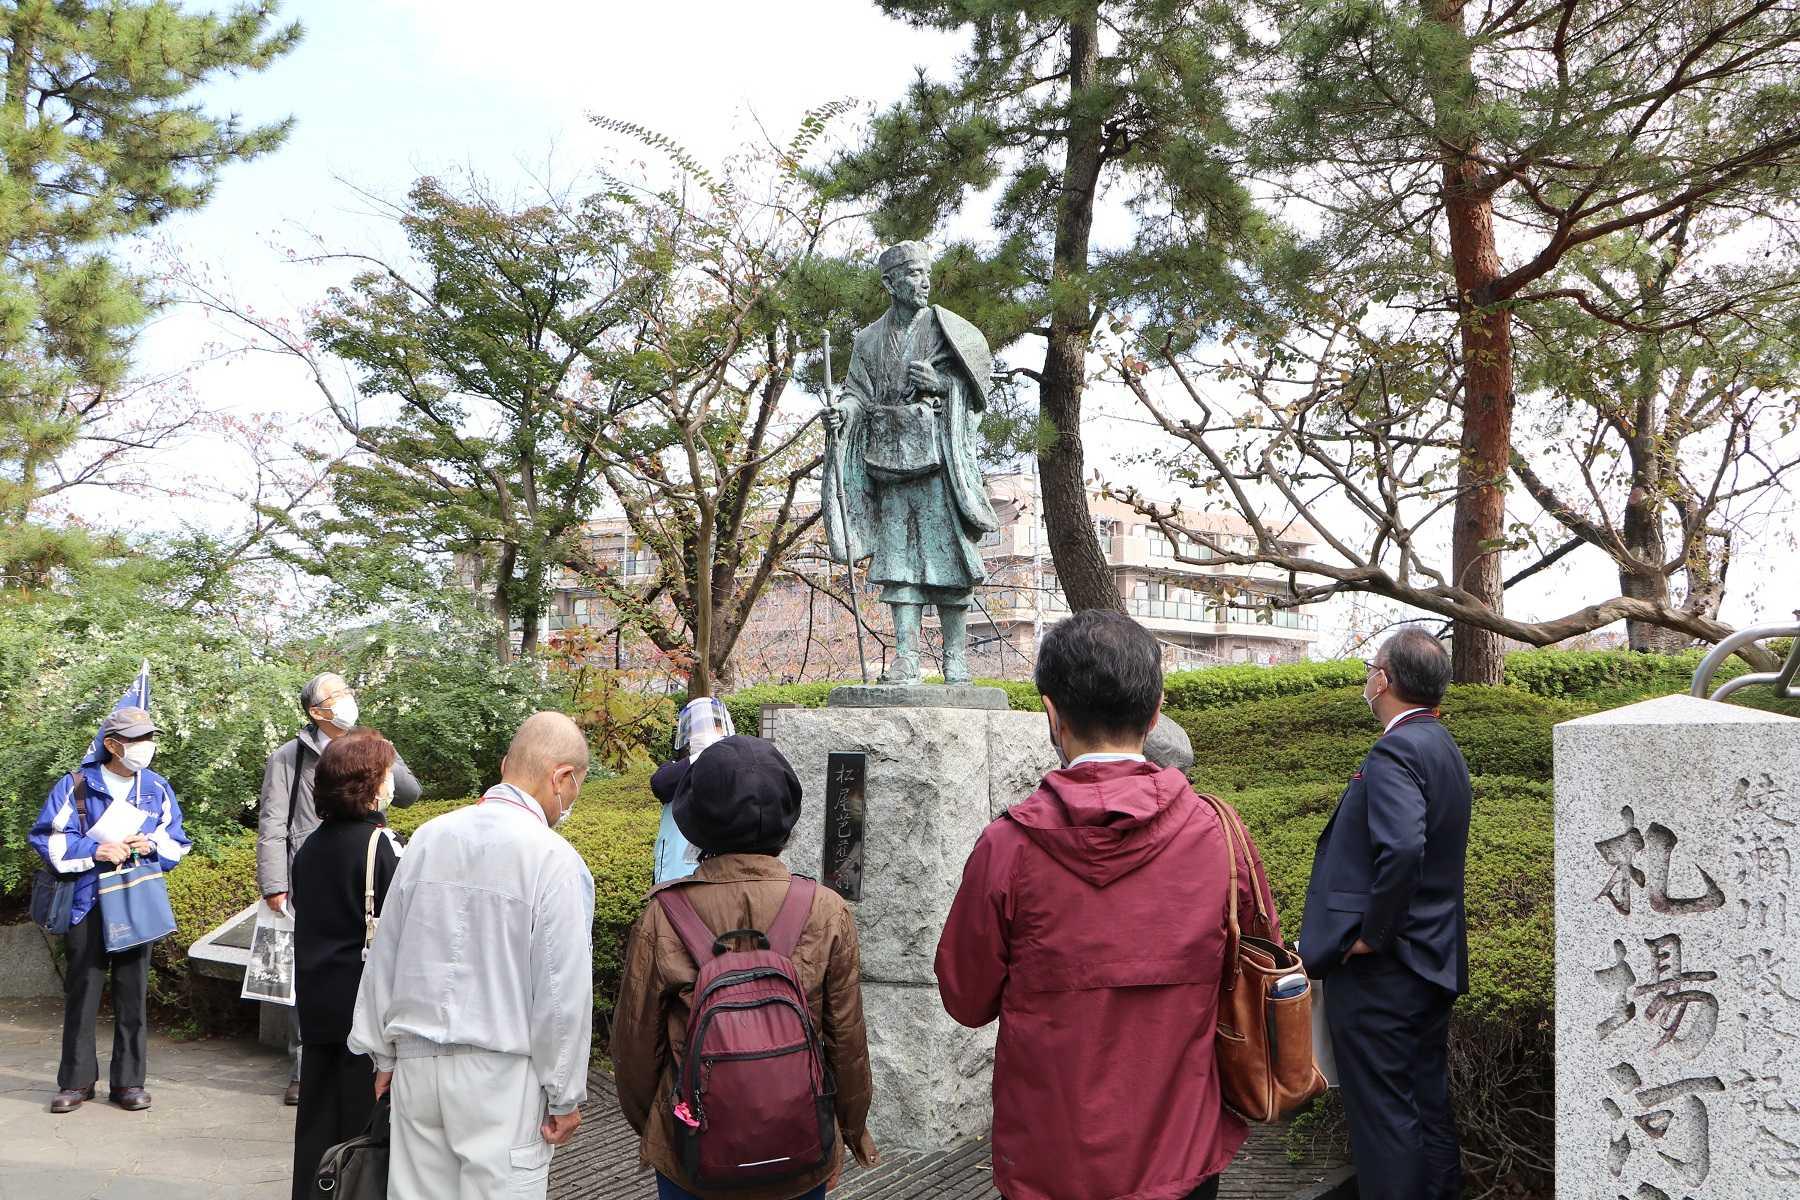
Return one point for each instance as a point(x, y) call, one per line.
point(601, 1164)
point(218, 1130)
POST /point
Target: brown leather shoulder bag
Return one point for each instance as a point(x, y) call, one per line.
point(1264, 1041)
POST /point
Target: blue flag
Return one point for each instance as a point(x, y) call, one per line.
point(136, 696)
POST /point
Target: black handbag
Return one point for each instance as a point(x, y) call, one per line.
point(358, 1169)
point(52, 892)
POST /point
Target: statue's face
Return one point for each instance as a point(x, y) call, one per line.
point(909, 283)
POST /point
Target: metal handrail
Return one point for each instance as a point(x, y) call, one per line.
point(1782, 680)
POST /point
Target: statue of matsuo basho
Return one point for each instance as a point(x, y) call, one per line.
point(901, 483)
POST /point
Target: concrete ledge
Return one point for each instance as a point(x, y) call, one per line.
point(225, 954)
point(27, 969)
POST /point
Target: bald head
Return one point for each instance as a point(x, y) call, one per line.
point(547, 753)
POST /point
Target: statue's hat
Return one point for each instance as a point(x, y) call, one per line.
point(903, 252)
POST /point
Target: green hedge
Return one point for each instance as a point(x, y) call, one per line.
point(1323, 736)
point(613, 826)
point(223, 706)
point(1595, 678)
point(1213, 687)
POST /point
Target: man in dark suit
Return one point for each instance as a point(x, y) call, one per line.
point(1384, 925)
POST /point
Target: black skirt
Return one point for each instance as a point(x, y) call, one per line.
point(337, 1096)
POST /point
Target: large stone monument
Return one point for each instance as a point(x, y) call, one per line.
point(900, 777)
point(1677, 953)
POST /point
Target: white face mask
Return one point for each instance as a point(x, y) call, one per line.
point(568, 807)
point(384, 795)
point(137, 755)
point(1368, 699)
point(1056, 744)
point(344, 712)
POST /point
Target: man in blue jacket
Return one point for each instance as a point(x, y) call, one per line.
point(1384, 926)
point(118, 773)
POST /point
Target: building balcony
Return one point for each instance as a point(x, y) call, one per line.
point(1219, 620)
point(1156, 554)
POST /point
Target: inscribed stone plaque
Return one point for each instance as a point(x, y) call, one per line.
point(1677, 953)
point(845, 809)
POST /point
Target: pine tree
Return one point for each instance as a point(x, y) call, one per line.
point(1056, 104)
point(100, 138)
point(1461, 155)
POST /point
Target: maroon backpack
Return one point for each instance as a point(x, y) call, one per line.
point(753, 1101)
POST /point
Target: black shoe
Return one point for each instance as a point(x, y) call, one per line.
point(130, 1099)
point(291, 1097)
point(70, 1099)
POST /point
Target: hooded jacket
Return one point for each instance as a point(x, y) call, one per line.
point(1091, 921)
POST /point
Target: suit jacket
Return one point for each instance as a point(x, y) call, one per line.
point(1389, 867)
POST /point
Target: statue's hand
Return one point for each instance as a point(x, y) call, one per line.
point(924, 377)
point(834, 417)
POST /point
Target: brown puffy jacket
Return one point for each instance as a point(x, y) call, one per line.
point(649, 1032)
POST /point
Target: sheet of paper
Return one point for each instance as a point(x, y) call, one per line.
point(120, 820)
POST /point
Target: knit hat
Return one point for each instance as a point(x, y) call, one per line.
point(741, 796)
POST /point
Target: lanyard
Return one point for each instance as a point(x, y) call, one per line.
point(506, 793)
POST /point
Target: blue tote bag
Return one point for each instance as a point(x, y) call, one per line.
point(134, 905)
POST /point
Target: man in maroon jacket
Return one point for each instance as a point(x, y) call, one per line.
point(1091, 921)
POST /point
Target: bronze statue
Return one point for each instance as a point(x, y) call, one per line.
point(901, 481)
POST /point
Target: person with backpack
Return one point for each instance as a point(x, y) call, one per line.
point(110, 808)
point(755, 976)
point(286, 815)
point(1092, 923)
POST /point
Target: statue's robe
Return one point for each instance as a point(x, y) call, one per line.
point(902, 484)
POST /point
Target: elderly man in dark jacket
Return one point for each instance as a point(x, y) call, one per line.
point(1385, 928)
point(1091, 921)
point(286, 815)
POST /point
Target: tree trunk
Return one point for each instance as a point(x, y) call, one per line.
point(502, 602)
point(1081, 568)
point(1486, 336)
point(700, 676)
point(1641, 575)
point(1705, 571)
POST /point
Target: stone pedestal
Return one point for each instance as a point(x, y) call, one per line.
point(1677, 952)
point(935, 778)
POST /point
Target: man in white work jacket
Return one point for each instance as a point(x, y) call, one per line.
point(477, 1001)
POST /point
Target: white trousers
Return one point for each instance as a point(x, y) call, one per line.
point(466, 1126)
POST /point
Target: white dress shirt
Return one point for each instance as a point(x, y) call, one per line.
point(1105, 757)
point(486, 941)
point(1401, 716)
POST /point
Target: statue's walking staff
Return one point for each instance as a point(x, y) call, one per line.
point(833, 446)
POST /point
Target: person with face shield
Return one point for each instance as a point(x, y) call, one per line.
point(704, 720)
point(340, 881)
point(287, 815)
point(477, 1002)
point(114, 782)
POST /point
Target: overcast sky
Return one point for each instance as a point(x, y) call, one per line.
point(387, 90)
